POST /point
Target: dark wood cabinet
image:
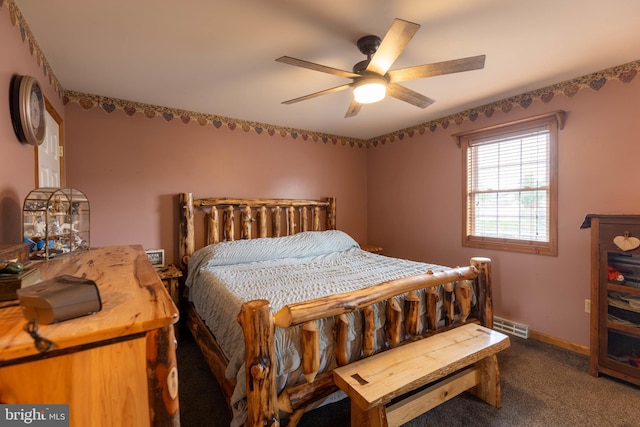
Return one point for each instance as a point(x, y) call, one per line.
point(615, 296)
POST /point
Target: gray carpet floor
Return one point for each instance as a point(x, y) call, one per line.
point(542, 385)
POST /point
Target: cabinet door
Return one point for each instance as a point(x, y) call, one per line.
point(104, 386)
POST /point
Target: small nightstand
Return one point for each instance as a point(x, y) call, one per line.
point(170, 275)
point(371, 248)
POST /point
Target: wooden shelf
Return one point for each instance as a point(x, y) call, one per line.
point(623, 288)
point(631, 330)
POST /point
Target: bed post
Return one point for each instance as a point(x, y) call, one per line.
point(331, 213)
point(258, 327)
point(483, 290)
point(187, 239)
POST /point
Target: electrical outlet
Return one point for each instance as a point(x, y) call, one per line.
point(587, 306)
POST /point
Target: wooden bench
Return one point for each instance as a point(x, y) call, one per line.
point(466, 356)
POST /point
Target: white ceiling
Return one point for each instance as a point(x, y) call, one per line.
point(218, 56)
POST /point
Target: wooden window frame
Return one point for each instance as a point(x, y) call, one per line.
point(555, 122)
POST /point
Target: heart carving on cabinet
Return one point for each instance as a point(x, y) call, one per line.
point(626, 243)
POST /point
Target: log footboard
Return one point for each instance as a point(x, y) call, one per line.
point(402, 326)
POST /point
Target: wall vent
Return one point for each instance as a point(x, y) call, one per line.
point(509, 327)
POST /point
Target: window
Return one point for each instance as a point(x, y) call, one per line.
point(510, 186)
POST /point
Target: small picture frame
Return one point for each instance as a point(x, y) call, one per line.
point(156, 256)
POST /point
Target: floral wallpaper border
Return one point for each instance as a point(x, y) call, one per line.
point(595, 81)
point(625, 73)
point(109, 105)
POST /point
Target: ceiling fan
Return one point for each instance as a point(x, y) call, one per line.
point(372, 79)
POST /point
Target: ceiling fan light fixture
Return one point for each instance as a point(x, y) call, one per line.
point(369, 90)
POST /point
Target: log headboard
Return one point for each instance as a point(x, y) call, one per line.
point(257, 218)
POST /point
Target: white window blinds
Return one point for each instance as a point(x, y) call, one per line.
point(508, 192)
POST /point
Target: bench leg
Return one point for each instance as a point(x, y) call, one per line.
point(488, 388)
point(374, 417)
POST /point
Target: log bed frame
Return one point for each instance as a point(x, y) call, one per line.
point(276, 217)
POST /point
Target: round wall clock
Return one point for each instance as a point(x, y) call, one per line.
point(27, 110)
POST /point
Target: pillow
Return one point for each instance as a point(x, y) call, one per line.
point(305, 244)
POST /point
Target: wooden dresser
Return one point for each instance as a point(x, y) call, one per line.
point(114, 368)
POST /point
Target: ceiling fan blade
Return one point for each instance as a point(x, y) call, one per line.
point(317, 67)
point(354, 109)
point(407, 95)
point(393, 43)
point(437, 69)
point(316, 94)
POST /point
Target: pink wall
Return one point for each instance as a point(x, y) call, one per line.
point(421, 179)
point(131, 169)
point(17, 160)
